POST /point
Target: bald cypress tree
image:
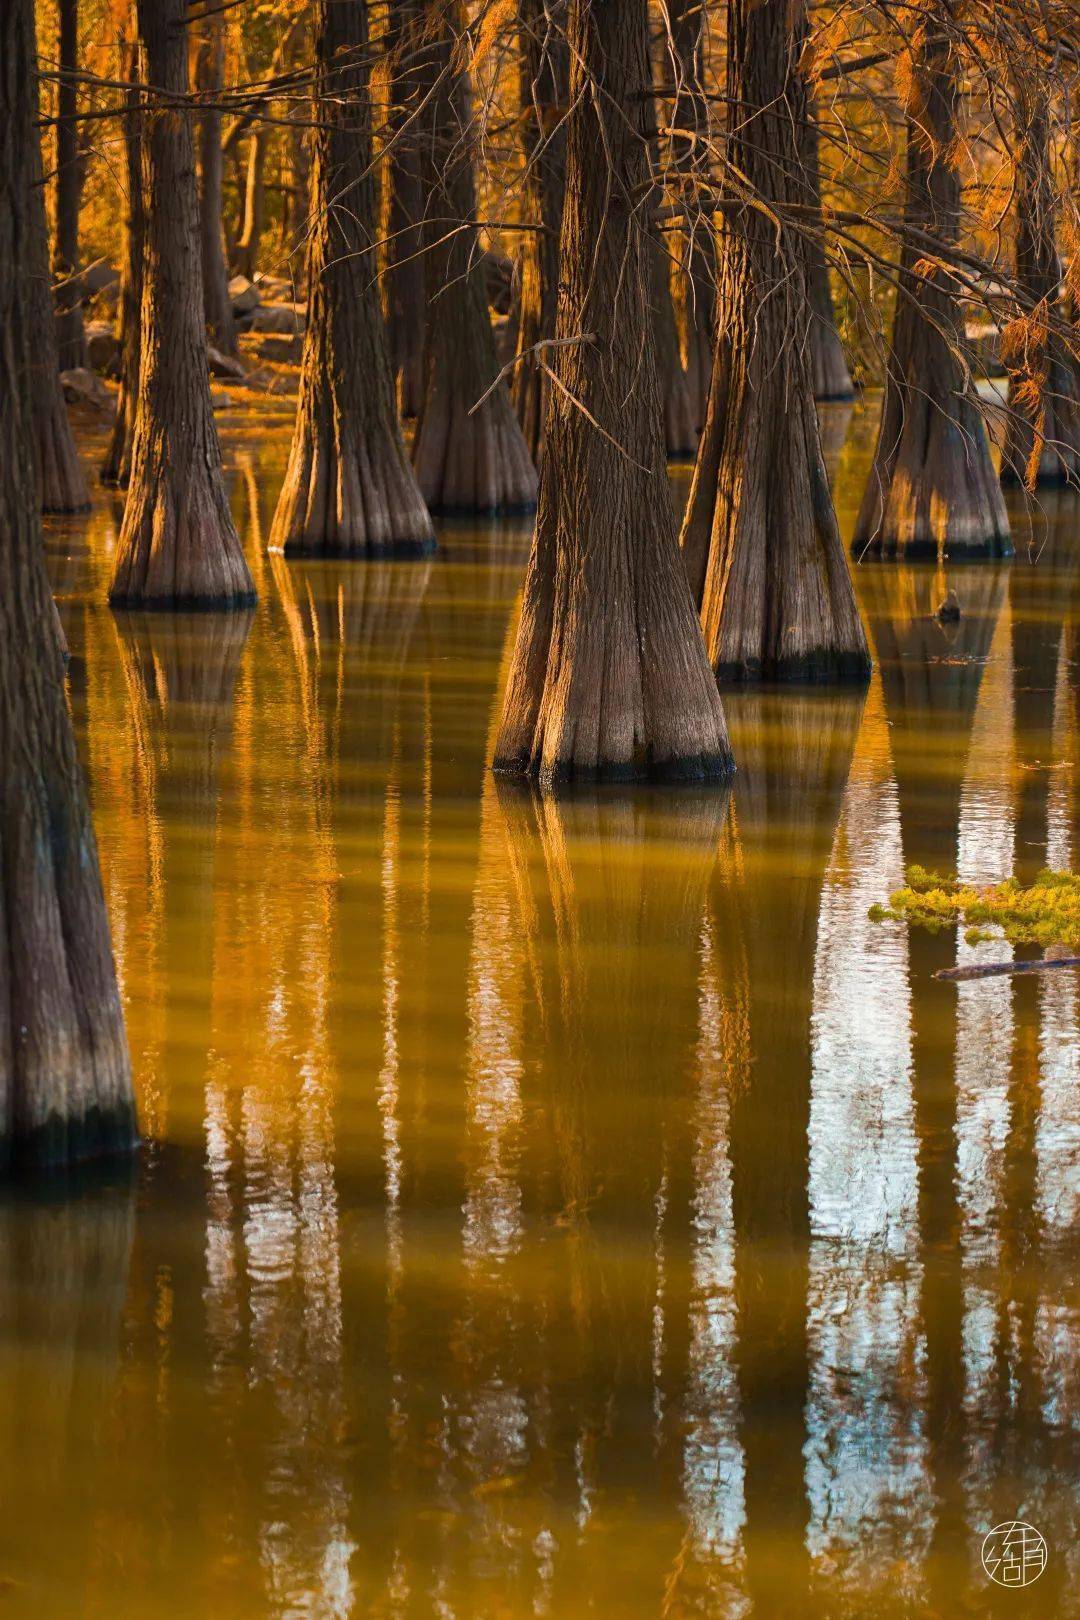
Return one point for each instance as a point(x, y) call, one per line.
point(178, 545)
point(932, 488)
point(61, 481)
point(609, 677)
point(760, 537)
point(469, 457)
point(65, 1082)
point(349, 487)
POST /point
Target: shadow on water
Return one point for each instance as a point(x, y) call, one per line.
point(554, 1207)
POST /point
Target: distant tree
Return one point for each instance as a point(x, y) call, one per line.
point(210, 65)
point(469, 456)
point(61, 480)
point(65, 1081)
point(544, 77)
point(116, 465)
point(71, 333)
point(177, 543)
point(403, 204)
point(1042, 426)
point(349, 487)
point(932, 487)
point(760, 537)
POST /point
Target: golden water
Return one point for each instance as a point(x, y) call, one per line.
point(555, 1209)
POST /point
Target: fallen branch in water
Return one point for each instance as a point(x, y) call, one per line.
point(992, 970)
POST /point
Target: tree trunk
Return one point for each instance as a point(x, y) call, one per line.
point(1042, 428)
point(760, 538)
point(71, 338)
point(544, 80)
point(693, 281)
point(932, 488)
point(177, 543)
point(609, 678)
point(349, 487)
point(116, 467)
point(65, 1081)
point(828, 363)
point(247, 248)
point(61, 481)
point(216, 301)
point(469, 457)
point(404, 294)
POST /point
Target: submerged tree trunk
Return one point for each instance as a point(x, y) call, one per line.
point(349, 487)
point(932, 488)
point(116, 466)
point(403, 198)
point(61, 480)
point(65, 1081)
point(609, 678)
point(469, 457)
point(1042, 428)
point(760, 538)
point(828, 364)
point(544, 79)
point(694, 278)
point(246, 254)
point(177, 543)
point(217, 304)
point(71, 336)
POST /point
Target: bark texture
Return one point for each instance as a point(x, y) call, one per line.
point(217, 304)
point(1042, 428)
point(349, 487)
point(70, 332)
point(545, 82)
point(403, 198)
point(932, 488)
point(828, 362)
point(116, 467)
point(760, 539)
point(61, 480)
point(469, 457)
point(65, 1082)
point(609, 677)
point(177, 545)
point(693, 282)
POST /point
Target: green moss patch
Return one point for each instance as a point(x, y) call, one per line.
point(1047, 913)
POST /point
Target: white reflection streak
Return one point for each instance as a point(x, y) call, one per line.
point(866, 1450)
point(984, 1046)
point(714, 1470)
point(389, 1073)
point(1057, 1131)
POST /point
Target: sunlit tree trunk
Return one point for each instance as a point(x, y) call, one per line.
point(932, 487)
point(544, 79)
point(403, 205)
point(116, 466)
point(609, 678)
point(349, 487)
point(71, 336)
point(1042, 428)
point(61, 481)
point(469, 457)
point(760, 538)
point(177, 543)
point(216, 301)
point(65, 1082)
point(828, 364)
point(246, 254)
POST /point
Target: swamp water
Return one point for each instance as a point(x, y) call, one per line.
point(563, 1209)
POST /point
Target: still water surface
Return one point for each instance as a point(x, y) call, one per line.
point(553, 1209)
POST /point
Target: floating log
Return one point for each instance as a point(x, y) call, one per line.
point(991, 970)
